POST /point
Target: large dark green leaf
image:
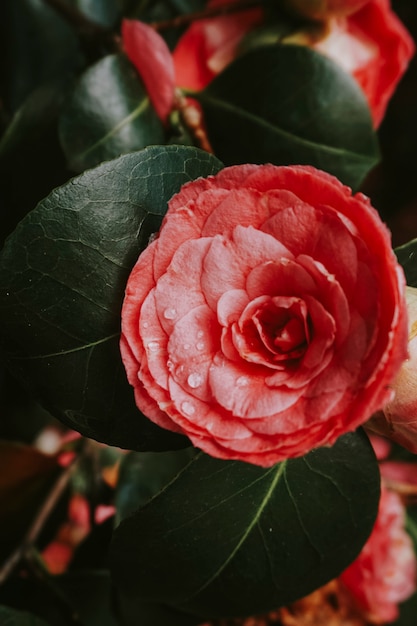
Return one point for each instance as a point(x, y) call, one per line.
point(108, 114)
point(229, 538)
point(407, 258)
point(62, 278)
point(144, 474)
point(288, 105)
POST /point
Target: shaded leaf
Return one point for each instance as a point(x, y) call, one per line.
point(30, 144)
point(103, 12)
point(407, 258)
point(144, 474)
point(108, 114)
point(26, 477)
point(290, 105)
point(89, 593)
point(132, 612)
point(37, 47)
point(233, 539)
point(62, 278)
point(12, 617)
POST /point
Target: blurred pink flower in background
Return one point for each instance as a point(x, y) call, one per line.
point(384, 573)
point(398, 420)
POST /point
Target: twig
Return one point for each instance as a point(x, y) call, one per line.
point(225, 9)
point(38, 523)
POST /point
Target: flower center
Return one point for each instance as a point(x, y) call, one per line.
point(273, 331)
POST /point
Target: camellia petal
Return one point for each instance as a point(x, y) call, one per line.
point(151, 56)
point(265, 346)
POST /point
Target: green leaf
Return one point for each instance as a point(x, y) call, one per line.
point(62, 278)
point(407, 258)
point(290, 105)
point(34, 124)
point(132, 612)
point(12, 617)
point(144, 474)
point(103, 12)
point(38, 47)
point(233, 539)
point(108, 114)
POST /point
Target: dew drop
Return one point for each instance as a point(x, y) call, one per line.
point(200, 345)
point(242, 381)
point(187, 346)
point(200, 334)
point(145, 325)
point(188, 408)
point(195, 380)
point(170, 314)
point(153, 346)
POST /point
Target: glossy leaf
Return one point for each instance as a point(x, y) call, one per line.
point(26, 476)
point(144, 474)
point(108, 114)
point(290, 105)
point(62, 278)
point(232, 539)
point(12, 617)
point(407, 258)
point(103, 12)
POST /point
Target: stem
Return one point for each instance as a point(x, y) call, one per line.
point(185, 20)
point(38, 523)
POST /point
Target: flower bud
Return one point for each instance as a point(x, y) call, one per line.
point(398, 420)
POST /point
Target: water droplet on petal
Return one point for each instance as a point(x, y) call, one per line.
point(188, 408)
point(200, 345)
point(242, 381)
point(200, 334)
point(195, 380)
point(153, 346)
point(170, 314)
point(145, 325)
point(187, 346)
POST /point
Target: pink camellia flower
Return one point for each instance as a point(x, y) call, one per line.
point(398, 420)
point(371, 44)
point(210, 44)
point(384, 573)
point(374, 47)
point(268, 317)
